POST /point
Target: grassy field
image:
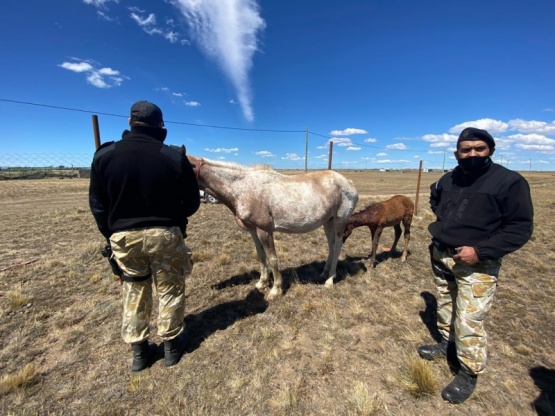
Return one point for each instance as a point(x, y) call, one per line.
point(346, 350)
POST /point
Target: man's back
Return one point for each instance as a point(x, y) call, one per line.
point(145, 183)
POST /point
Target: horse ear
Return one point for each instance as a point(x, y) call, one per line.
point(183, 149)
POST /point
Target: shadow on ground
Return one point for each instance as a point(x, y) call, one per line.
point(544, 379)
point(203, 324)
point(305, 274)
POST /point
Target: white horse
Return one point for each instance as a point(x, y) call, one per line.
point(264, 201)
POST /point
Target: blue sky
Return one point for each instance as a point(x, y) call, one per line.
point(390, 82)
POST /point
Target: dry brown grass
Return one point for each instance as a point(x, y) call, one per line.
point(347, 350)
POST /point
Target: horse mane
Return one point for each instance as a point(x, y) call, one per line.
point(235, 165)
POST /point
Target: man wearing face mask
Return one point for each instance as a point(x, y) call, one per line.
point(483, 212)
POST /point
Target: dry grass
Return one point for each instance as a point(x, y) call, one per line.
point(26, 377)
point(418, 377)
point(348, 350)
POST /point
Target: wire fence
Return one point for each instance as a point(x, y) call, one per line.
point(77, 165)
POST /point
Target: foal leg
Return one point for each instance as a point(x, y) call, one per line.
point(407, 238)
point(375, 240)
point(397, 228)
point(267, 240)
point(263, 281)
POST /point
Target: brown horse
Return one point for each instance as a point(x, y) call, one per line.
point(383, 214)
point(264, 201)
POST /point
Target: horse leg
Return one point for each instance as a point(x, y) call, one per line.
point(397, 228)
point(372, 233)
point(375, 241)
point(329, 231)
point(407, 239)
point(267, 240)
point(263, 281)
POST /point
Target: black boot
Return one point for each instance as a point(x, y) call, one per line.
point(460, 388)
point(142, 355)
point(174, 349)
point(431, 352)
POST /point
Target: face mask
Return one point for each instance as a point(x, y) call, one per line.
point(473, 164)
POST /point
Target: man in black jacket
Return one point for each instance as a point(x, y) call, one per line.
point(141, 193)
point(483, 212)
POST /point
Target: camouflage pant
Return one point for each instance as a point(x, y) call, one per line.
point(146, 256)
point(465, 296)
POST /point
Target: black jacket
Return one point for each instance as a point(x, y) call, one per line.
point(140, 182)
point(490, 211)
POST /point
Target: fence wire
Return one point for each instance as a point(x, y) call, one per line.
point(43, 165)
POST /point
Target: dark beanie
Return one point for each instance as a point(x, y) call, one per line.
point(472, 133)
point(146, 114)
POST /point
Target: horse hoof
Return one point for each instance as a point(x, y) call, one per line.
point(274, 294)
point(260, 286)
point(329, 282)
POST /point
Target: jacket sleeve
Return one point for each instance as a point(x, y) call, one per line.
point(517, 226)
point(98, 202)
point(435, 194)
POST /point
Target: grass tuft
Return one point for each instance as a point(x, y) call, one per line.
point(16, 298)
point(27, 376)
point(418, 378)
point(363, 403)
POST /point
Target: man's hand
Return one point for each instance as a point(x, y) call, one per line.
point(466, 256)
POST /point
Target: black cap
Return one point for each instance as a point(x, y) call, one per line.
point(146, 113)
point(472, 133)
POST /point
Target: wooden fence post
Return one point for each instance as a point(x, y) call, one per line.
point(96, 131)
point(417, 189)
point(330, 155)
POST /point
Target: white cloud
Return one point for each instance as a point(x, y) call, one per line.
point(531, 139)
point(537, 147)
point(292, 156)
point(227, 32)
point(381, 154)
point(370, 140)
point(99, 3)
point(192, 104)
point(264, 153)
point(492, 126)
point(347, 132)
point(393, 161)
point(143, 22)
point(340, 141)
point(532, 126)
point(150, 26)
point(440, 140)
point(353, 148)
point(98, 77)
point(222, 150)
point(396, 146)
point(77, 66)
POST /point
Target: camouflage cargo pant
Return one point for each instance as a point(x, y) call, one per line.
point(152, 255)
point(465, 296)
